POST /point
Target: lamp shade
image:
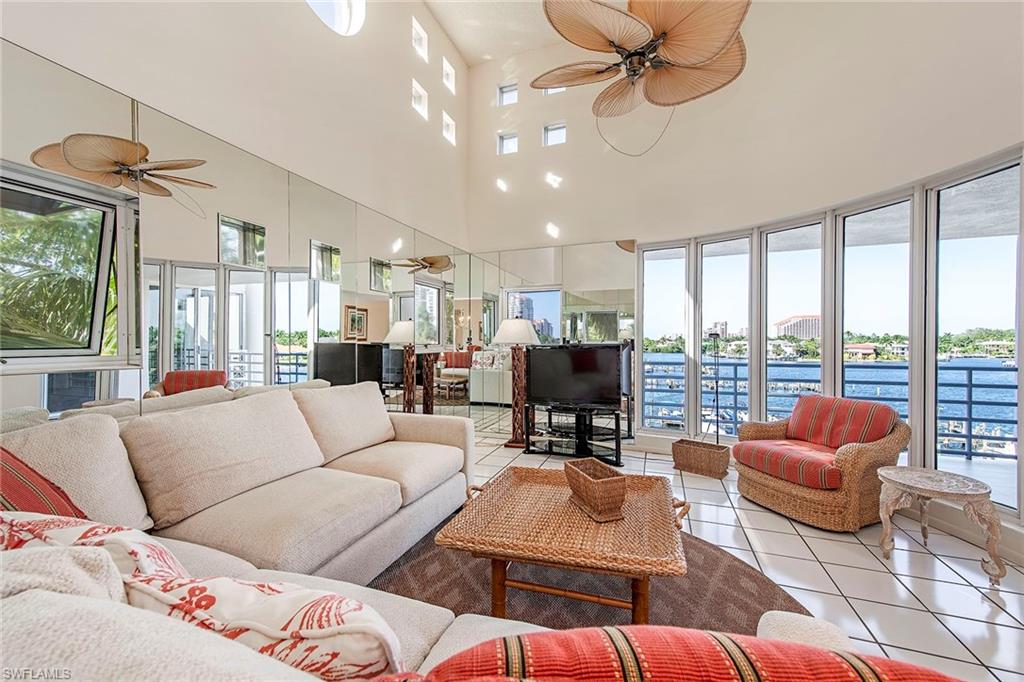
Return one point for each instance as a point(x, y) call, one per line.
point(516, 332)
point(402, 332)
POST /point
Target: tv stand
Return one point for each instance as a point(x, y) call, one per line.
point(578, 441)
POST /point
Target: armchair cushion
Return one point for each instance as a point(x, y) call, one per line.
point(834, 422)
point(179, 381)
point(807, 464)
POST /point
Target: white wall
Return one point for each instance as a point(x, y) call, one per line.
point(270, 78)
point(839, 100)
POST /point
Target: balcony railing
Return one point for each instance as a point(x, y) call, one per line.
point(976, 398)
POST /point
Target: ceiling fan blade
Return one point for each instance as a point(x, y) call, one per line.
point(102, 153)
point(578, 73)
point(182, 181)
point(173, 164)
point(596, 26)
point(51, 157)
point(147, 186)
point(696, 31)
point(628, 245)
point(443, 262)
point(671, 85)
point(621, 97)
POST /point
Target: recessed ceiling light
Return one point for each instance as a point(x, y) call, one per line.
point(553, 180)
point(501, 184)
point(396, 245)
point(552, 230)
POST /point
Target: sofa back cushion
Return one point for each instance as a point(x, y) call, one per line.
point(181, 380)
point(344, 419)
point(179, 401)
point(87, 460)
point(246, 391)
point(834, 422)
point(189, 460)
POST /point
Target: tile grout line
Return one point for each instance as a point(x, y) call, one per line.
point(743, 528)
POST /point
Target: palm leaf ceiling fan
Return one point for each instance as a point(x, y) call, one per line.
point(435, 265)
point(114, 162)
point(670, 51)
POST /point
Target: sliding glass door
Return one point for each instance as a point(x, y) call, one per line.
point(291, 315)
point(195, 318)
point(977, 308)
point(245, 327)
point(665, 324)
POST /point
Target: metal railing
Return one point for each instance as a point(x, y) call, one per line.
point(976, 402)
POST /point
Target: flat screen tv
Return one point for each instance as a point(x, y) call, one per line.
point(586, 375)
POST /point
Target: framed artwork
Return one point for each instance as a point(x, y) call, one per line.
point(356, 323)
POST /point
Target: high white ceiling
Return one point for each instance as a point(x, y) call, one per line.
point(486, 29)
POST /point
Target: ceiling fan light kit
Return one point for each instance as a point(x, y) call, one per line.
point(669, 51)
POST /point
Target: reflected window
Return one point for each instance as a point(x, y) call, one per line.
point(152, 286)
point(54, 272)
point(69, 390)
point(380, 276)
point(977, 306)
point(324, 262)
point(792, 317)
point(245, 325)
point(242, 243)
point(542, 307)
point(195, 318)
point(665, 323)
point(428, 314)
point(290, 343)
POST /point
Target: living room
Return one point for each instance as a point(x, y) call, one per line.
point(365, 299)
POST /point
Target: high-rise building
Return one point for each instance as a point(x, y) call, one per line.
point(720, 328)
point(520, 305)
point(800, 326)
point(545, 330)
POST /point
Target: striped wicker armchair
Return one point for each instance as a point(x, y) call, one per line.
point(820, 466)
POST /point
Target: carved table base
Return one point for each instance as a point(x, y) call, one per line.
point(903, 493)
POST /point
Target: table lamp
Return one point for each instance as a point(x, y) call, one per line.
point(403, 333)
point(517, 333)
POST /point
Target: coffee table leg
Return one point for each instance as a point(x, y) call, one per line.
point(983, 512)
point(891, 499)
point(641, 600)
point(499, 571)
point(924, 519)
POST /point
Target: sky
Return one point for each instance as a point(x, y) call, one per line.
point(976, 280)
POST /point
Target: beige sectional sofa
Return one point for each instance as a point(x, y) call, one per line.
point(321, 487)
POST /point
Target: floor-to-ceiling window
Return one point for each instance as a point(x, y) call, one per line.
point(978, 298)
point(876, 305)
point(665, 324)
point(195, 318)
point(290, 343)
point(792, 321)
point(245, 327)
point(725, 334)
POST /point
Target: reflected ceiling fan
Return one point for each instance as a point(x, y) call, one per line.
point(434, 265)
point(669, 51)
point(114, 162)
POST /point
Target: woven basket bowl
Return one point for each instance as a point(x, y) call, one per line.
point(597, 489)
point(698, 457)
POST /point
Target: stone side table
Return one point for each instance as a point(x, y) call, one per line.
point(903, 486)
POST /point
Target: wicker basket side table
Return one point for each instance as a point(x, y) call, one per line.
point(698, 457)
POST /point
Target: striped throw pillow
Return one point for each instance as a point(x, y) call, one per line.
point(22, 488)
point(181, 380)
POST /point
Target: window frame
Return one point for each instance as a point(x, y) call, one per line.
point(448, 74)
point(446, 122)
point(502, 138)
point(554, 127)
point(418, 89)
point(420, 33)
point(247, 233)
point(120, 231)
point(540, 288)
point(507, 89)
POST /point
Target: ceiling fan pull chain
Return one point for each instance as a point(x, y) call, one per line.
point(597, 122)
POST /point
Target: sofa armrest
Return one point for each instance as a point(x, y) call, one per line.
point(441, 429)
point(855, 459)
point(763, 430)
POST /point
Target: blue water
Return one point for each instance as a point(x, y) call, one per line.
point(975, 395)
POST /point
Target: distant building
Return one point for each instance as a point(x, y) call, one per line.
point(901, 350)
point(520, 305)
point(781, 350)
point(544, 329)
point(861, 350)
point(800, 326)
point(999, 348)
point(720, 328)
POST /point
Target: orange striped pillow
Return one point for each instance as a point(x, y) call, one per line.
point(22, 488)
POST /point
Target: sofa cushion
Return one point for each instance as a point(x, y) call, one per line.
point(806, 464)
point(417, 624)
point(296, 523)
point(85, 457)
point(417, 467)
point(96, 639)
point(202, 561)
point(14, 418)
point(652, 652)
point(246, 391)
point(134, 408)
point(181, 380)
point(831, 421)
point(190, 460)
point(22, 488)
point(471, 629)
point(344, 419)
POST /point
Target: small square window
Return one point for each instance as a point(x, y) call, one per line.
point(448, 127)
point(448, 75)
point(419, 40)
point(553, 91)
point(554, 134)
point(419, 100)
point(508, 94)
point(508, 143)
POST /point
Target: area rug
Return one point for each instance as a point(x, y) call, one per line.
point(719, 591)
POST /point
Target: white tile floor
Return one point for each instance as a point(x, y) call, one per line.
point(926, 605)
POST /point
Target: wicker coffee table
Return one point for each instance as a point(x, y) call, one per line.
point(524, 515)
